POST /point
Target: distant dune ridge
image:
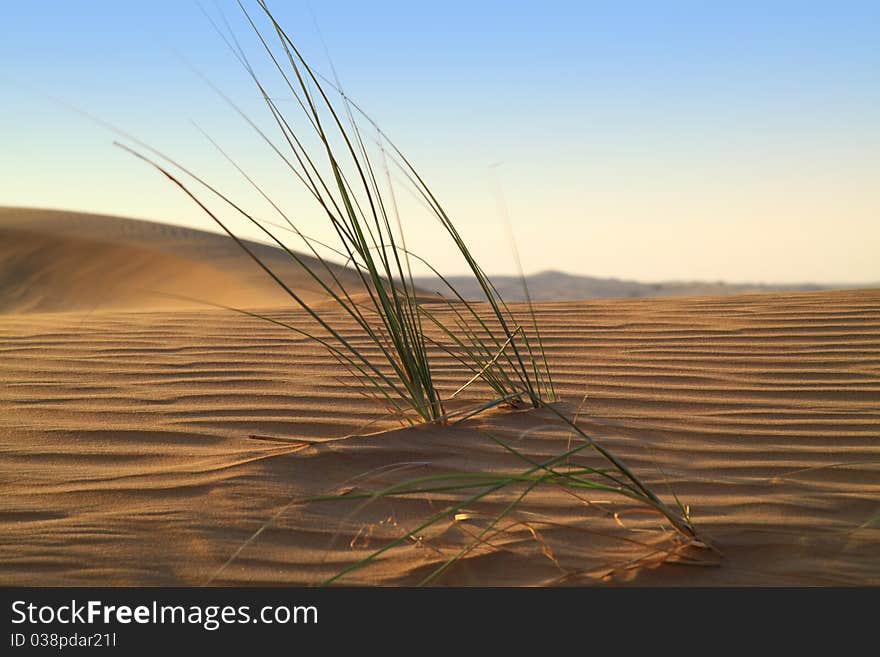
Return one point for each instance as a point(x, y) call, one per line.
point(558, 286)
point(146, 443)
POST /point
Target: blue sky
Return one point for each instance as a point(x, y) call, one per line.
point(651, 140)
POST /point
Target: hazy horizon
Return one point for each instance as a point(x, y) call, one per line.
point(651, 144)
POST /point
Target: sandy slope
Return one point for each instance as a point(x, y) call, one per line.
point(125, 455)
point(56, 261)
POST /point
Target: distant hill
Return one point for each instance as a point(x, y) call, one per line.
point(555, 285)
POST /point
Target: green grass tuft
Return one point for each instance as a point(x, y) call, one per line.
point(403, 333)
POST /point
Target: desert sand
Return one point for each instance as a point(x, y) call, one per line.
point(147, 439)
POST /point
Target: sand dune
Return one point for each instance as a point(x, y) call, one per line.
point(148, 445)
point(54, 261)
